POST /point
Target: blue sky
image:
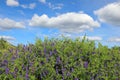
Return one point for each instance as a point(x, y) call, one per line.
point(21, 21)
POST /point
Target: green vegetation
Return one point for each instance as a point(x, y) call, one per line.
point(59, 59)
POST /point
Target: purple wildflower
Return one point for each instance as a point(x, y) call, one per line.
point(85, 64)
point(51, 53)
point(68, 74)
point(13, 58)
point(76, 79)
point(26, 75)
point(55, 51)
point(58, 60)
point(31, 64)
point(7, 70)
point(5, 62)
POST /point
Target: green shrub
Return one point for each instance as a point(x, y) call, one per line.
point(56, 59)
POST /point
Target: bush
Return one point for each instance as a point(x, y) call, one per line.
point(56, 59)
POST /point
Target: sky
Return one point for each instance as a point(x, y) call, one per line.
point(22, 21)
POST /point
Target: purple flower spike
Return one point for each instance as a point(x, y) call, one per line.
point(7, 70)
point(85, 64)
point(58, 60)
point(26, 75)
point(5, 62)
point(51, 53)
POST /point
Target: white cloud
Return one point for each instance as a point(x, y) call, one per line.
point(114, 39)
point(30, 6)
point(69, 22)
point(16, 3)
point(7, 37)
point(93, 38)
point(52, 6)
point(12, 2)
point(110, 14)
point(7, 23)
point(55, 6)
point(42, 1)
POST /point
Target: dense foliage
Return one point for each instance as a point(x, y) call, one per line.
point(59, 59)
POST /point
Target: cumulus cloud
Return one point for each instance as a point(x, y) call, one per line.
point(7, 23)
point(7, 38)
point(93, 38)
point(109, 14)
point(115, 39)
point(69, 22)
point(42, 1)
point(30, 6)
point(12, 2)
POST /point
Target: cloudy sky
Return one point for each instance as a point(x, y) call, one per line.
point(21, 21)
